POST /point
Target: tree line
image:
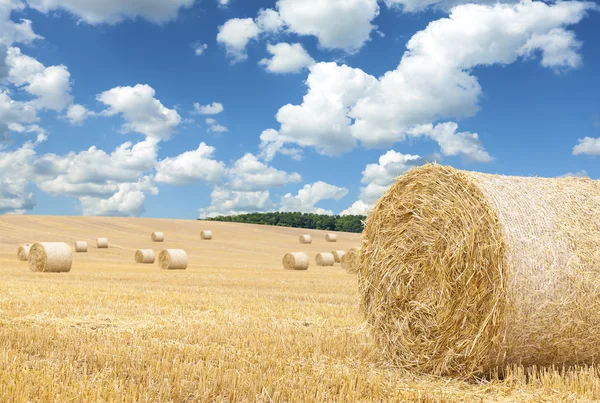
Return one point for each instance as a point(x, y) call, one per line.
point(347, 223)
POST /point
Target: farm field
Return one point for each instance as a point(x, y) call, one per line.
point(233, 327)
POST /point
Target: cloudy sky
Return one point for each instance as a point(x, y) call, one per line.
point(194, 108)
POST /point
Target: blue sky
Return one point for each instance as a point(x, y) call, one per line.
point(187, 108)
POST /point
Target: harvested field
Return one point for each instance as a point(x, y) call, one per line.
point(234, 326)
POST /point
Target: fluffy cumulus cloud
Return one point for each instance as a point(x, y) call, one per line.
point(433, 80)
point(17, 170)
point(310, 195)
point(229, 202)
point(199, 48)
point(286, 58)
point(14, 32)
point(127, 201)
point(235, 35)
point(377, 178)
point(249, 174)
point(211, 109)
point(422, 5)
point(142, 112)
point(77, 114)
point(114, 11)
point(191, 167)
point(214, 126)
point(588, 146)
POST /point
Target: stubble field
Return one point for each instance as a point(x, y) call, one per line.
point(233, 327)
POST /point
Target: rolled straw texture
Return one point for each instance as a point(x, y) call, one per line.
point(102, 243)
point(350, 261)
point(305, 239)
point(145, 256)
point(295, 261)
point(331, 238)
point(158, 237)
point(207, 235)
point(462, 272)
point(50, 257)
point(81, 246)
point(325, 259)
point(173, 259)
point(23, 252)
point(337, 255)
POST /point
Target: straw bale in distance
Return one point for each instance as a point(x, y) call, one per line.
point(305, 239)
point(81, 246)
point(350, 261)
point(50, 257)
point(145, 256)
point(331, 238)
point(158, 237)
point(295, 261)
point(206, 235)
point(462, 272)
point(325, 259)
point(102, 243)
point(173, 259)
point(337, 255)
point(23, 252)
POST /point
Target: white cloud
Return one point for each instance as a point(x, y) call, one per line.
point(230, 202)
point(16, 169)
point(114, 11)
point(379, 177)
point(269, 21)
point(235, 35)
point(211, 109)
point(587, 145)
point(272, 143)
point(77, 114)
point(433, 81)
point(215, 127)
point(223, 3)
point(142, 112)
point(311, 194)
point(190, 167)
point(249, 174)
point(10, 31)
point(199, 48)
point(338, 24)
point(127, 201)
point(422, 5)
point(580, 174)
point(287, 58)
point(50, 85)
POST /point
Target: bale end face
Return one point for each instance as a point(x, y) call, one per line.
point(295, 261)
point(350, 261)
point(23, 252)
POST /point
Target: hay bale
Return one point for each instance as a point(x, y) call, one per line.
point(331, 238)
point(462, 272)
point(325, 259)
point(305, 239)
point(23, 252)
point(337, 255)
point(102, 243)
point(173, 259)
point(350, 261)
point(158, 237)
point(206, 235)
point(50, 257)
point(146, 256)
point(295, 261)
point(81, 246)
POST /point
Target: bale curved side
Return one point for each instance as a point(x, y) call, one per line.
point(337, 255)
point(146, 256)
point(50, 257)
point(206, 235)
point(158, 237)
point(331, 238)
point(295, 261)
point(350, 261)
point(81, 246)
point(462, 272)
point(325, 259)
point(102, 243)
point(305, 239)
point(173, 259)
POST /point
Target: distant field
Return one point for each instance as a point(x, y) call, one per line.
point(233, 327)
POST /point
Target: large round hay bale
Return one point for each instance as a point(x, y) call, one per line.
point(50, 257)
point(305, 239)
point(337, 255)
point(81, 246)
point(102, 243)
point(350, 261)
point(206, 235)
point(325, 259)
point(463, 272)
point(23, 252)
point(295, 261)
point(146, 256)
point(331, 238)
point(158, 237)
point(173, 259)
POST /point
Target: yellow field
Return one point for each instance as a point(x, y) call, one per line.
point(233, 327)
